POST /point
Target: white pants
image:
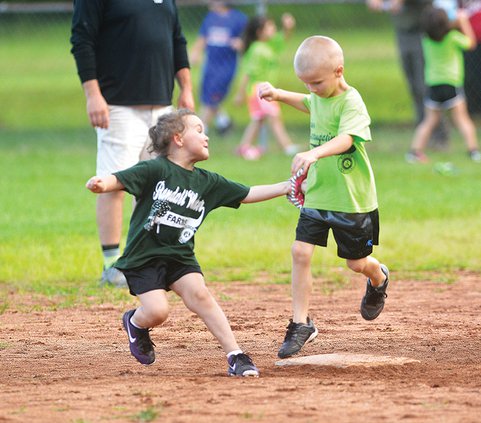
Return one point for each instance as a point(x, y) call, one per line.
point(125, 141)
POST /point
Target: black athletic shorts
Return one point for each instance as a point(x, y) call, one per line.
point(443, 97)
point(355, 233)
point(157, 275)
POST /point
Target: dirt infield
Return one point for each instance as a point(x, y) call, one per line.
point(74, 365)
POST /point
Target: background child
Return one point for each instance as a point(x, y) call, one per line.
point(173, 198)
point(263, 44)
point(444, 74)
point(340, 193)
point(220, 36)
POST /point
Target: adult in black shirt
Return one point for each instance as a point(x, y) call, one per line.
point(128, 55)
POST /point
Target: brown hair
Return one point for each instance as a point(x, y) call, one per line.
point(435, 23)
point(251, 32)
point(167, 126)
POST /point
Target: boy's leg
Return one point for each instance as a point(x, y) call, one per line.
point(153, 311)
point(377, 275)
point(300, 329)
point(197, 298)
point(370, 267)
point(301, 280)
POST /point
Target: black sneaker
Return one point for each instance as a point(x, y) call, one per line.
point(373, 301)
point(297, 335)
point(241, 365)
point(141, 346)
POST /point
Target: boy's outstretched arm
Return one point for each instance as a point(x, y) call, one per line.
point(270, 93)
point(98, 184)
point(266, 192)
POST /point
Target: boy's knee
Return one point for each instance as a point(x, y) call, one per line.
point(157, 315)
point(300, 253)
point(356, 265)
point(200, 297)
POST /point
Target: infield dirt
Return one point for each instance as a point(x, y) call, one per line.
point(74, 365)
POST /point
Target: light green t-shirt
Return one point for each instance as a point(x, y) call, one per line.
point(261, 61)
point(444, 59)
point(172, 202)
point(344, 182)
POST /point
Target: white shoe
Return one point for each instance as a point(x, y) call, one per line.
point(475, 156)
point(113, 276)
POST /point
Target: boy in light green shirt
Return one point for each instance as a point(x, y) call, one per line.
point(340, 193)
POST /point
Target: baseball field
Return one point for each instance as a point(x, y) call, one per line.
point(73, 364)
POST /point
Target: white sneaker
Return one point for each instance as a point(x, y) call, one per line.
point(475, 156)
point(113, 276)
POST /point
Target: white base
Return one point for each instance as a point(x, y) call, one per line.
point(345, 360)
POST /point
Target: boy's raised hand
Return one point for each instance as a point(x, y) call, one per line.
point(266, 91)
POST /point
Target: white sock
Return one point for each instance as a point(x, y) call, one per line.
point(235, 352)
point(134, 324)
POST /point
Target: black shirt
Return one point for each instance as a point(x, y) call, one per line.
point(133, 48)
point(172, 202)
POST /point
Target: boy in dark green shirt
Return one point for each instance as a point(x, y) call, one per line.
point(173, 198)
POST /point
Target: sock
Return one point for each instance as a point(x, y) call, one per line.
point(235, 352)
point(131, 320)
point(135, 325)
point(111, 254)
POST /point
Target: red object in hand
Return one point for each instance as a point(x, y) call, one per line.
point(296, 196)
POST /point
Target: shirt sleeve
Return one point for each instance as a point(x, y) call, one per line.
point(227, 193)
point(87, 15)
point(240, 24)
point(307, 102)
point(461, 40)
point(204, 27)
point(181, 59)
point(134, 178)
point(355, 120)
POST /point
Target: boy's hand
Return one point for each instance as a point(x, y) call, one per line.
point(296, 194)
point(266, 91)
point(95, 184)
point(303, 161)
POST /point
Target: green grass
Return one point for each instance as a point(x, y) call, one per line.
point(40, 87)
point(48, 238)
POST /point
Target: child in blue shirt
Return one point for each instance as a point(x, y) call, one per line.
point(220, 37)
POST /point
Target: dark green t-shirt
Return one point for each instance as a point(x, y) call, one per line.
point(172, 202)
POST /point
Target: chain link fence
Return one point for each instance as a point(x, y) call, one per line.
point(37, 71)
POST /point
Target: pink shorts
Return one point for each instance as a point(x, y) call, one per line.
point(260, 109)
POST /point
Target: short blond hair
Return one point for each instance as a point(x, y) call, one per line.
point(316, 52)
